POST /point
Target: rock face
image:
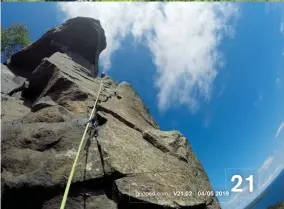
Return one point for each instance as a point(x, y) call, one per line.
point(81, 35)
point(11, 104)
point(131, 164)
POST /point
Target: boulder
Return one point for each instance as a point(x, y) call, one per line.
point(81, 35)
point(12, 105)
point(172, 142)
point(10, 83)
point(60, 80)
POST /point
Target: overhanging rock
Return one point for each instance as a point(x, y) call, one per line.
point(81, 35)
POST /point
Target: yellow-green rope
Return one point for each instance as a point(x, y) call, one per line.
point(63, 203)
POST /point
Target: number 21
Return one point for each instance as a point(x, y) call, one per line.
point(240, 180)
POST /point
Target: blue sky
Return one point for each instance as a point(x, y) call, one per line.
point(229, 106)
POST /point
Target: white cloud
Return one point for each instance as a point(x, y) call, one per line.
point(279, 130)
point(269, 178)
point(266, 182)
point(266, 164)
point(278, 169)
point(183, 38)
point(240, 200)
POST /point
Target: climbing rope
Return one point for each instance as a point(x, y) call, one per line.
point(63, 203)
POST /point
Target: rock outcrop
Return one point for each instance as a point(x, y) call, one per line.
point(131, 164)
point(71, 36)
point(12, 106)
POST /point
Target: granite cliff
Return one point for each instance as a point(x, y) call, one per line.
point(47, 94)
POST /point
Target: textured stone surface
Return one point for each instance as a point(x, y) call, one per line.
point(10, 83)
point(12, 108)
point(81, 35)
point(130, 156)
point(150, 169)
point(62, 80)
point(172, 142)
point(43, 102)
point(129, 106)
point(40, 155)
point(83, 201)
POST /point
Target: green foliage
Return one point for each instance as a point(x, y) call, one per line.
point(14, 39)
point(279, 205)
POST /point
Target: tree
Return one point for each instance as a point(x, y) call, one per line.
point(279, 205)
point(13, 39)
